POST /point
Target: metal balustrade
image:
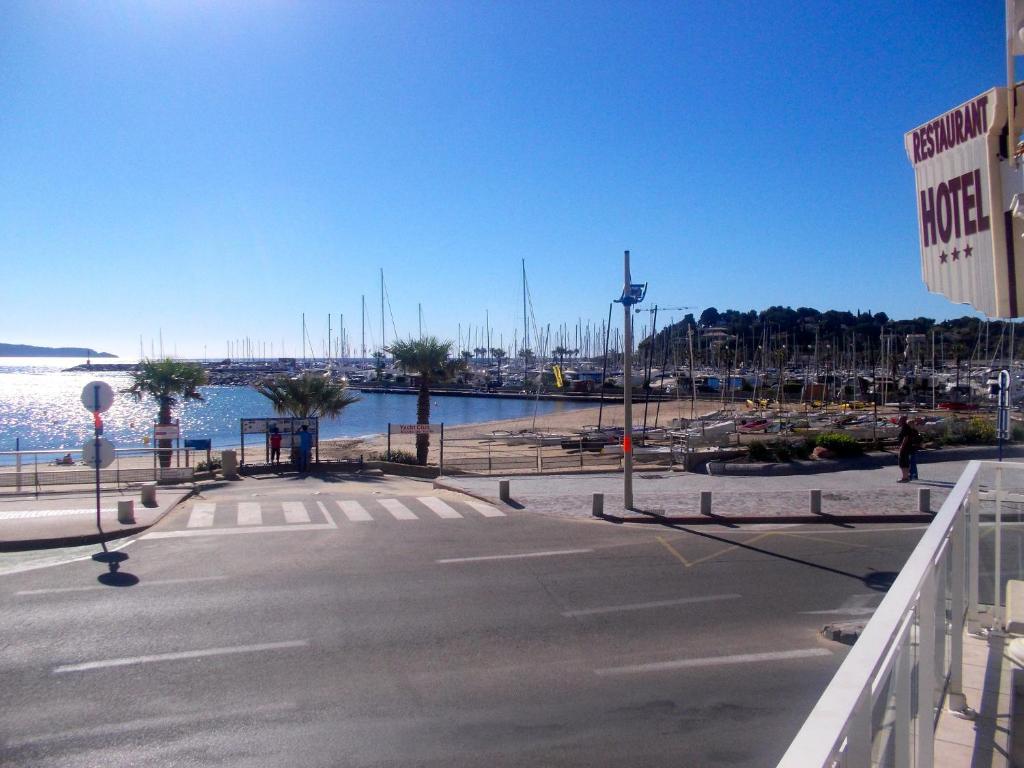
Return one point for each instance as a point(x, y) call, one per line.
point(881, 707)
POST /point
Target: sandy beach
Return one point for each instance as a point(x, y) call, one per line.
point(472, 436)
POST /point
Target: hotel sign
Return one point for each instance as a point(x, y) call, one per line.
point(966, 233)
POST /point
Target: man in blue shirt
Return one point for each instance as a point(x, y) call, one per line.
point(305, 447)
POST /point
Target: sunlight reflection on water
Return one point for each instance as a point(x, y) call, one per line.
point(40, 405)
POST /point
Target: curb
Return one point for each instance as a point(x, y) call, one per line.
point(456, 489)
point(24, 545)
point(654, 519)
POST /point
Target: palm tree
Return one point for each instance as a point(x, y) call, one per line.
point(428, 359)
point(498, 354)
point(307, 396)
point(166, 381)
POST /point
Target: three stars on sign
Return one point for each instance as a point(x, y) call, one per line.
point(967, 252)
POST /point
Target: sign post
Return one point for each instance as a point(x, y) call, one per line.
point(97, 397)
point(632, 293)
point(1003, 417)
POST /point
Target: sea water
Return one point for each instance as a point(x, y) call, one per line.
point(41, 408)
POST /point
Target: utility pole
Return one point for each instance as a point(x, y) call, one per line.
point(631, 294)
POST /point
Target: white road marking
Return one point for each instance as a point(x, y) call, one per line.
point(397, 509)
point(149, 723)
point(486, 509)
point(25, 514)
point(150, 583)
point(854, 605)
point(295, 512)
point(354, 511)
point(653, 604)
point(6, 570)
point(202, 515)
point(250, 513)
point(233, 531)
point(439, 507)
point(149, 659)
point(481, 558)
point(713, 661)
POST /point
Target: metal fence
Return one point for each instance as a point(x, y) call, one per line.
point(880, 708)
point(34, 471)
point(489, 455)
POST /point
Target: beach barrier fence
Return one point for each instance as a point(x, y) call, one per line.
point(33, 471)
point(487, 454)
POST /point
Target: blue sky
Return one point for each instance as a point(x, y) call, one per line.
point(210, 171)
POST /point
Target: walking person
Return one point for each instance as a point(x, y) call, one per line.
point(906, 439)
point(275, 446)
point(305, 448)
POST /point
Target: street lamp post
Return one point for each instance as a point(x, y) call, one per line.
point(632, 294)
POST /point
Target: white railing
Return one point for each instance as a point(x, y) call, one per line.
point(880, 708)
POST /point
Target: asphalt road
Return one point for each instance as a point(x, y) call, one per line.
point(304, 623)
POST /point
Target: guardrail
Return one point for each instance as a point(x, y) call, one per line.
point(32, 470)
point(526, 454)
point(881, 706)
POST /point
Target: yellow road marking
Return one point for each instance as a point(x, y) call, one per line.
point(819, 538)
point(690, 563)
point(675, 553)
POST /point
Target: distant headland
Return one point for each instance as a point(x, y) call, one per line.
point(27, 350)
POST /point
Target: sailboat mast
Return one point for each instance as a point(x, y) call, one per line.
point(383, 340)
point(364, 328)
point(526, 327)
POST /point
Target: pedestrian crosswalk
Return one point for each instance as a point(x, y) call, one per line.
point(213, 518)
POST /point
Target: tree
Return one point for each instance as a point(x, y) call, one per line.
point(309, 395)
point(709, 317)
point(426, 358)
point(167, 381)
point(498, 354)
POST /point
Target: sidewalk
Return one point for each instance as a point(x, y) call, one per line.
point(855, 496)
point(69, 519)
point(988, 686)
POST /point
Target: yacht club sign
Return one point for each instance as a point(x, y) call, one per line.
point(966, 232)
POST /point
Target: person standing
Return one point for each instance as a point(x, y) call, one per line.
point(275, 446)
point(907, 441)
point(305, 447)
point(917, 441)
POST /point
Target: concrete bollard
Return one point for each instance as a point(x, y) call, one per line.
point(149, 494)
point(924, 500)
point(597, 508)
point(126, 511)
point(229, 465)
point(815, 502)
point(705, 502)
point(503, 491)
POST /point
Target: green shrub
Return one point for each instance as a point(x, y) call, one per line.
point(1017, 432)
point(783, 451)
point(979, 430)
point(759, 451)
point(204, 466)
point(802, 448)
point(840, 444)
point(396, 456)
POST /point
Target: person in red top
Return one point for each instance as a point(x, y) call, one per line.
point(275, 446)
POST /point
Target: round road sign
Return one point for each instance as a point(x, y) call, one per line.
point(106, 452)
point(97, 396)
